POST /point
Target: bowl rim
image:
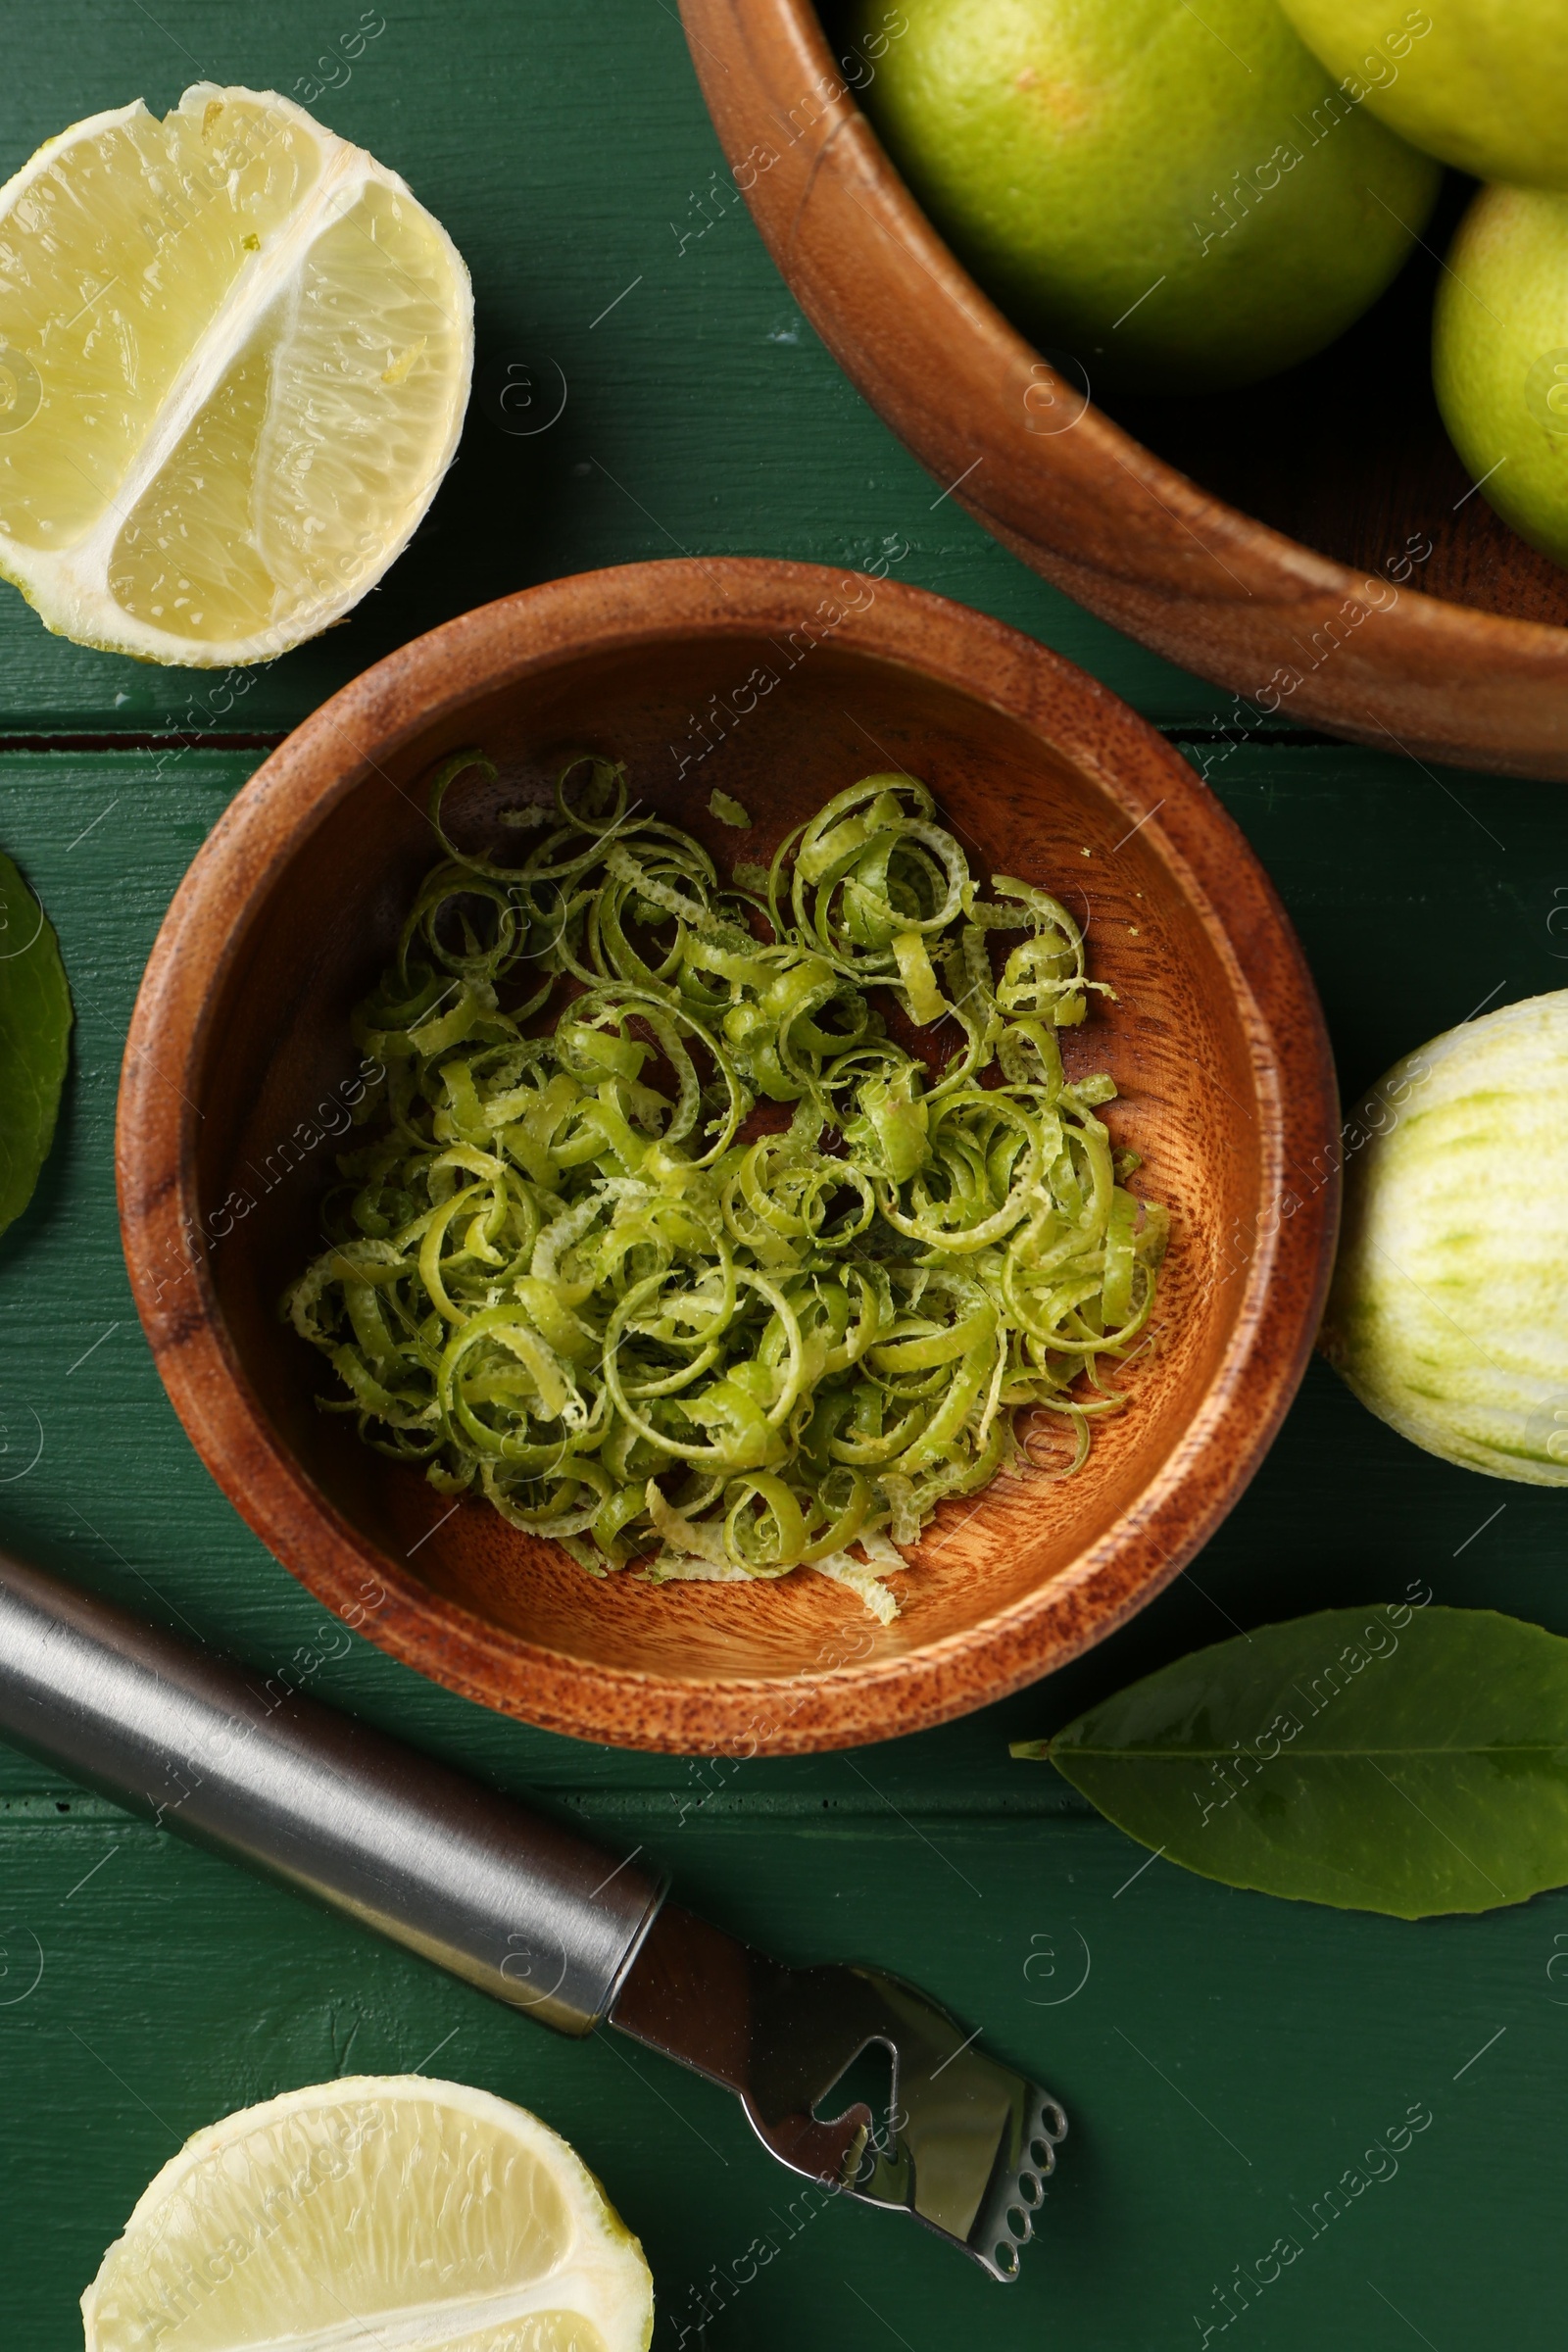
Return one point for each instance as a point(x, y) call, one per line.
point(328, 756)
point(1090, 508)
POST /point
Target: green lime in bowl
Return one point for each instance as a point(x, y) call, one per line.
point(1184, 201)
point(1499, 358)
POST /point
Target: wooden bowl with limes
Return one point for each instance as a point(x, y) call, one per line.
point(1312, 545)
point(778, 684)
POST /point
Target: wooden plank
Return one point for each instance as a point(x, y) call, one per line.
point(1298, 2033)
point(701, 412)
point(1430, 911)
point(1226, 2061)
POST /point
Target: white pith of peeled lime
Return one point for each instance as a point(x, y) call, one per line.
point(1449, 1312)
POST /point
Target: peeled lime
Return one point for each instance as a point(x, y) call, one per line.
point(1449, 1313)
point(1176, 195)
point(1499, 358)
point(1480, 82)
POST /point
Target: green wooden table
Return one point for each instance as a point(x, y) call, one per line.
point(1225, 2058)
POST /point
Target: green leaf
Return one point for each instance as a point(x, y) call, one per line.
point(34, 1039)
point(1401, 1759)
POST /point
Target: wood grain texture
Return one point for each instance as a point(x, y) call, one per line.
point(801, 680)
point(572, 161)
point(1347, 645)
point(559, 147)
point(172, 1982)
point(194, 1990)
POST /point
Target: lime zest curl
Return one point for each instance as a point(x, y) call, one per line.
point(564, 1273)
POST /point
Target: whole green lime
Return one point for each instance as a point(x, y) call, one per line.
point(1177, 195)
point(1500, 357)
point(1483, 84)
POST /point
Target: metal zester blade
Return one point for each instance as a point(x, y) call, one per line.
point(966, 2146)
point(527, 1910)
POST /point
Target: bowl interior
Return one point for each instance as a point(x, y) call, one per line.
point(688, 716)
point(1348, 453)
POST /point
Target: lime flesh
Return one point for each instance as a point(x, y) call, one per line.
point(386, 2213)
point(234, 357)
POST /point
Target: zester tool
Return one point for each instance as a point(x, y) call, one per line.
point(528, 1911)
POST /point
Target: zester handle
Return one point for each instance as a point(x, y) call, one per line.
point(525, 1910)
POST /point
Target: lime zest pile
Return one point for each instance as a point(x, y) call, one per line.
point(563, 1277)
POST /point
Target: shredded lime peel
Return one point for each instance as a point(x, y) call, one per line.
point(560, 1276)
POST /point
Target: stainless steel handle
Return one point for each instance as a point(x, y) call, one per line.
point(525, 1910)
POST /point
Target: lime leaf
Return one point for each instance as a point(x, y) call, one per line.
point(34, 1037)
point(728, 812)
point(1395, 1760)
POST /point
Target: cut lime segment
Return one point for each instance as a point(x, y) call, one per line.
point(234, 358)
point(385, 2211)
